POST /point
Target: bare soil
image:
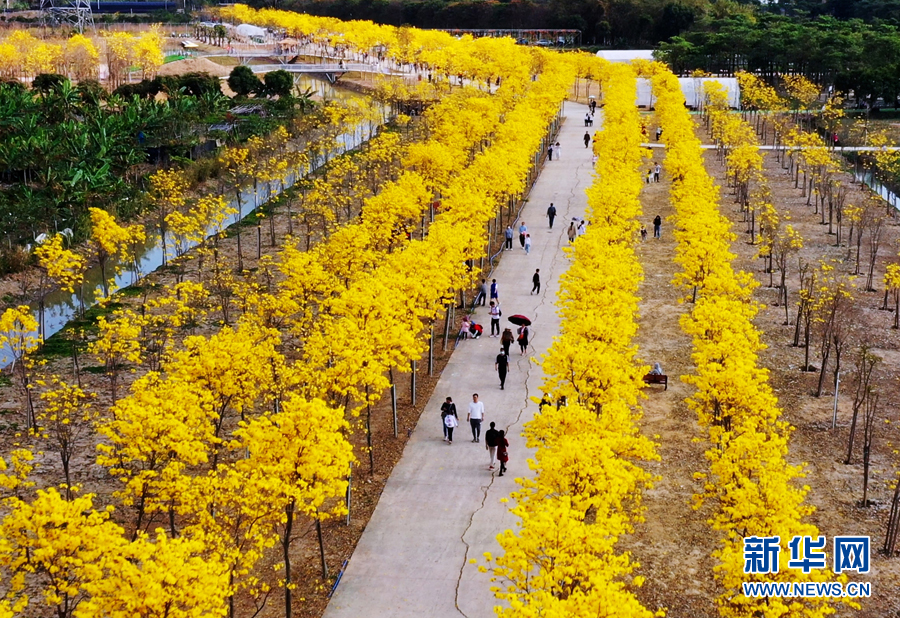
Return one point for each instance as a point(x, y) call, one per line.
point(674, 544)
point(340, 537)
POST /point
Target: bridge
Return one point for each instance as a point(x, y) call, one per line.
point(331, 71)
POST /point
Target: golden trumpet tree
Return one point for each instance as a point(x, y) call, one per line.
point(563, 560)
point(155, 437)
point(18, 338)
point(111, 241)
point(67, 415)
point(300, 459)
point(754, 489)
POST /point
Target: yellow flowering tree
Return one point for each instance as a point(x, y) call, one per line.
point(18, 338)
point(112, 241)
point(66, 416)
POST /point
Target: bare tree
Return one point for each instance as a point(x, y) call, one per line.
point(803, 304)
point(830, 306)
point(787, 243)
point(842, 333)
point(870, 410)
point(876, 227)
point(893, 523)
point(866, 362)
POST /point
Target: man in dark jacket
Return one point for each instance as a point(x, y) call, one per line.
point(551, 214)
point(491, 437)
point(501, 365)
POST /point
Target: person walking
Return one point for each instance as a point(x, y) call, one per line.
point(509, 236)
point(523, 229)
point(451, 423)
point(483, 293)
point(643, 232)
point(587, 118)
point(657, 226)
point(536, 282)
point(502, 450)
point(657, 171)
point(649, 178)
point(587, 139)
point(523, 339)
point(551, 214)
point(495, 291)
point(495, 314)
point(558, 152)
point(476, 413)
point(582, 228)
point(501, 366)
point(491, 437)
point(527, 244)
point(572, 232)
point(506, 340)
point(448, 407)
point(658, 133)
point(550, 153)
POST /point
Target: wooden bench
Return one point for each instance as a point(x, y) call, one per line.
point(655, 378)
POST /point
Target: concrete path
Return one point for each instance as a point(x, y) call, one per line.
point(441, 506)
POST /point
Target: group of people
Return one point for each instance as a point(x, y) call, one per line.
point(554, 149)
point(574, 230)
point(653, 173)
point(657, 228)
point(495, 441)
point(524, 238)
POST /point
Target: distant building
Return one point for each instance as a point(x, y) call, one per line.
point(692, 87)
point(625, 55)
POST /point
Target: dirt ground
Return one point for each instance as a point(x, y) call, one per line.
point(673, 534)
point(674, 544)
point(340, 538)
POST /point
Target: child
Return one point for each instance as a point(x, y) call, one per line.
point(451, 422)
point(464, 328)
point(502, 454)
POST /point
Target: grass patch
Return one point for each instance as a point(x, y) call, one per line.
point(96, 369)
point(60, 344)
point(134, 291)
point(5, 380)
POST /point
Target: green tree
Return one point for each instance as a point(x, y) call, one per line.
point(279, 83)
point(243, 81)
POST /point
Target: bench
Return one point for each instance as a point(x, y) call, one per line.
point(655, 378)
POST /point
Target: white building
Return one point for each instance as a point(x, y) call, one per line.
point(692, 87)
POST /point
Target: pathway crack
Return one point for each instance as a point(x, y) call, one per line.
point(570, 203)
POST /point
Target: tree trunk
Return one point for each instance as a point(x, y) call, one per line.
point(852, 436)
point(286, 554)
point(324, 564)
point(893, 525)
